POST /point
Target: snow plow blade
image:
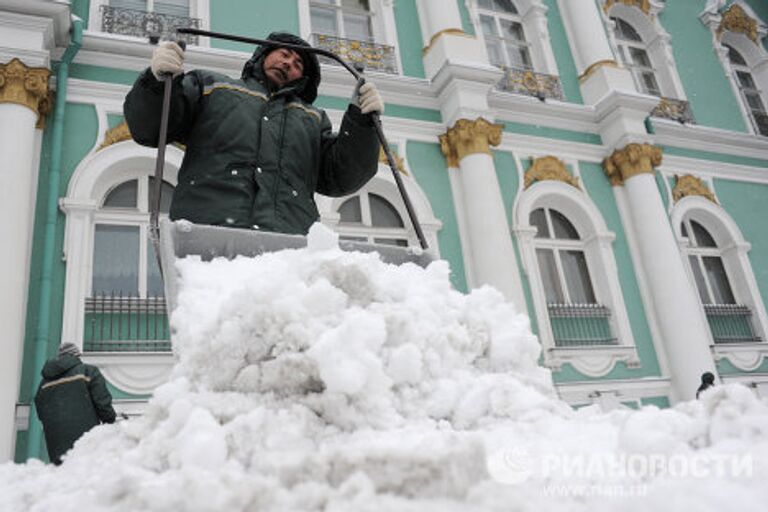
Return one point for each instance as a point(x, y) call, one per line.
point(181, 239)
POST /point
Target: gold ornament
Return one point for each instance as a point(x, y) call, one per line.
point(469, 137)
point(549, 168)
point(633, 159)
point(399, 164)
point(26, 86)
point(689, 185)
point(736, 19)
point(643, 5)
point(114, 135)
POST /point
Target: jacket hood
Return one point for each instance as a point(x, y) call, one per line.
point(61, 364)
point(307, 86)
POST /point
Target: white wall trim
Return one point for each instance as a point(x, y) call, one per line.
point(629, 390)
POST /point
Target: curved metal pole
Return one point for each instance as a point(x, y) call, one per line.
point(361, 80)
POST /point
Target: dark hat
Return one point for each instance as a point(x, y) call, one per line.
point(308, 91)
point(69, 349)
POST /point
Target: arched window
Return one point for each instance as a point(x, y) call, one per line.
point(124, 263)
point(575, 315)
point(750, 92)
point(566, 251)
point(634, 56)
point(504, 34)
point(729, 320)
point(368, 217)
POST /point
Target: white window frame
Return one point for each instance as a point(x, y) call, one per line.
point(134, 217)
point(734, 253)
point(197, 9)
point(366, 229)
point(382, 21)
point(558, 245)
point(656, 41)
point(339, 13)
point(755, 54)
point(497, 18)
point(383, 184)
point(760, 91)
point(596, 240)
point(533, 16)
point(98, 173)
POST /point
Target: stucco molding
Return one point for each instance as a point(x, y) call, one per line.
point(744, 356)
point(592, 361)
point(630, 161)
point(138, 374)
point(26, 86)
point(690, 185)
point(549, 168)
point(735, 19)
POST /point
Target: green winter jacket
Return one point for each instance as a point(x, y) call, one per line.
point(254, 157)
point(72, 398)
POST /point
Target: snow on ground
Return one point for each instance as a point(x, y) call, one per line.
point(321, 380)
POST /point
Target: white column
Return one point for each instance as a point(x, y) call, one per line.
point(436, 16)
point(599, 72)
point(445, 39)
point(682, 325)
point(486, 238)
point(17, 192)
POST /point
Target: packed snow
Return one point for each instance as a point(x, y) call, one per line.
point(318, 379)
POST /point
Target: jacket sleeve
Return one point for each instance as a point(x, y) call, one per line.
point(143, 107)
point(349, 158)
point(101, 397)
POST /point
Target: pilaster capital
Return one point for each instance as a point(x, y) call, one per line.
point(631, 160)
point(26, 86)
point(469, 137)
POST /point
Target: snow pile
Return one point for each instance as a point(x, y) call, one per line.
point(321, 380)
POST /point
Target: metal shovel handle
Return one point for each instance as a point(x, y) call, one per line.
point(162, 139)
point(360, 79)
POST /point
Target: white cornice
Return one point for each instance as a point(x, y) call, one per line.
point(618, 100)
point(551, 113)
point(673, 164)
point(472, 72)
point(395, 89)
point(130, 53)
point(714, 140)
point(56, 10)
point(533, 145)
point(87, 91)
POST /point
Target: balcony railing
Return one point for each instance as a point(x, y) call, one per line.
point(372, 56)
point(730, 323)
point(530, 83)
point(131, 22)
point(580, 325)
point(126, 324)
point(676, 110)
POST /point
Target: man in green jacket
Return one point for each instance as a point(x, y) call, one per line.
point(72, 399)
point(256, 148)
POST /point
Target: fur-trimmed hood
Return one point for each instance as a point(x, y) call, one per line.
point(311, 79)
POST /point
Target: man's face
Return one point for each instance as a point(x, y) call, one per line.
point(283, 66)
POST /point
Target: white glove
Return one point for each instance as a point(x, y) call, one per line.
point(168, 57)
point(369, 99)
